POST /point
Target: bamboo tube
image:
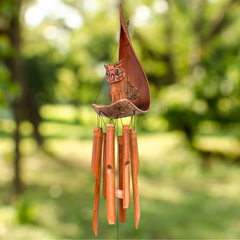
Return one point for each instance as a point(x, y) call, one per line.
point(126, 177)
point(110, 189)
point(135, 167)
point(104, 166)
point(122, 211)
point(96, 169)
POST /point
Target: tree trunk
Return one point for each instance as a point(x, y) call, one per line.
point(24, 106)
point(17, 183)
point(15, 66)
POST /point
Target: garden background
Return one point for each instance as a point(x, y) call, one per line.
point(52, 56)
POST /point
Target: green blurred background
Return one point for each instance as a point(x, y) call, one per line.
point(52, 54)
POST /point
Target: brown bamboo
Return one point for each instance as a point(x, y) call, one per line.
point(122, 211)
point(96, 169)
point(104, 166)
point(135, 168)
point(126, 177)
point(110, 189)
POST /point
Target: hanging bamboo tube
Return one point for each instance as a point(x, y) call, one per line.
point(96, 169)
point(122, 211)
point(104, 166)
point(135, 167)
point(110, 189)
point(126, 177)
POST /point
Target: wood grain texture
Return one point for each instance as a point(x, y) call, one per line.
point(130, 90)
point(120, 109)
point(96, 169)
point(110, 157)
point(135, 168)
point(126, 165)
point(122, 211)
point(104, 166)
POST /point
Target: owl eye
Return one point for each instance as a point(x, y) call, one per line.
point(108, 73)
point(117, 71)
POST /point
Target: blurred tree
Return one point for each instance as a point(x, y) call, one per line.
point(15, 89)
point(12, 62)
point(198, 54)
point(189, 50)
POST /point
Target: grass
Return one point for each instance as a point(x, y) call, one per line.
point(178, 198)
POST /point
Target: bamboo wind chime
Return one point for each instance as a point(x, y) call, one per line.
point(130, 95)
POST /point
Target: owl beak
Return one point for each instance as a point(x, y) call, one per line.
point(113, 77)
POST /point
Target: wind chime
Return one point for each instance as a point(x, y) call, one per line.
point(130, 96)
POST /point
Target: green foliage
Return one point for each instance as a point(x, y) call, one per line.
point(64, 65)
point(8, 90)
point(24, 212)
point(190, 61)
point(41, 78)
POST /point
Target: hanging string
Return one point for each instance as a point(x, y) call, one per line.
point(131, 122)
point(134, 118)
point(122, 122)
point(112, 121)
point(98, 120)
point(103, 120)
point(116, 127)
point(104, 75)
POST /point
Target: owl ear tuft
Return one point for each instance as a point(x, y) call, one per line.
point(119, 63)
point(105, 66)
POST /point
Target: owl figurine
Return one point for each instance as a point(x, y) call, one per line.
point(120, 86)
point(115, 75)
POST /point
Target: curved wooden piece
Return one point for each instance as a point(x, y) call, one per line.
point(135, 74)
point(122, 108)
point(96, 169)
point(133, 69)
point(135, 167)
point(110, 188)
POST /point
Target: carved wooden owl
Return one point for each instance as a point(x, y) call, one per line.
point(115, 74)
point(120, 86)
